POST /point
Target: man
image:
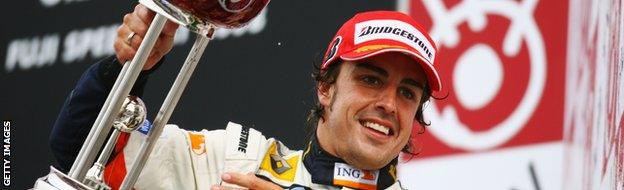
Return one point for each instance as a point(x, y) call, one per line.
point(371, 86)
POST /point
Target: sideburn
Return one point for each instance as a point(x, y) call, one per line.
point(333, 99)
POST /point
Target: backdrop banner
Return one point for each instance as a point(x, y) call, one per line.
point(502, 64)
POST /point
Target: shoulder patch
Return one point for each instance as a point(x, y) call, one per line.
point(197, 142)
point(278, 164)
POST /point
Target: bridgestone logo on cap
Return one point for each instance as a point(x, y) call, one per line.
point(397, 31)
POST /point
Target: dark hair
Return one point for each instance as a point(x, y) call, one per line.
point(328, 77)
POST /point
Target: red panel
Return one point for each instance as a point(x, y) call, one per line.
point(545, 122)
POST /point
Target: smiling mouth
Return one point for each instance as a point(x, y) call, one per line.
point(377, 127)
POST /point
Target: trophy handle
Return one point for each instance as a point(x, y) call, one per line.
point(121, 88)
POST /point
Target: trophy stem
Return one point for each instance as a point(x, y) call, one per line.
point(100, 129)
point(108, 148)
point(99, 119)
point(94, 178)
point(166, 109)
point(94, 174)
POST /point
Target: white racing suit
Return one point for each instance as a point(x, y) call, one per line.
point(184, 159)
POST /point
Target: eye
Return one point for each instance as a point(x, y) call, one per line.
point(407, 93)
point(371, 80)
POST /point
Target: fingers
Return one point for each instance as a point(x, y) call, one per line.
point(219, 187)
point(123, 34)
point(124, 50)
point(169, 29)
point(144, 13)
point(135, 24)
point(249, 181)
point(143, 18)
point(138, 22)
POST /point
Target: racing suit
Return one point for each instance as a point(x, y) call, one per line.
point(184, 159)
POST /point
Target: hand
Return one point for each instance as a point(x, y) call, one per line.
point(138, 22)
point(249, 181)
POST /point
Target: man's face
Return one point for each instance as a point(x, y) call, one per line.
point(370, 109)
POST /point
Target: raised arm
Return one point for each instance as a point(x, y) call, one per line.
point(86, 99)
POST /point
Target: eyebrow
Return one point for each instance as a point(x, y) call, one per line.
point(383, 72)
point(413, 83)
point(373, 68)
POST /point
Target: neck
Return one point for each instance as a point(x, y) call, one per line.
point(324, 138)
point(321, 165)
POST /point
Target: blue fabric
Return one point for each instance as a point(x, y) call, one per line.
point(145, 127)
point(82, 107)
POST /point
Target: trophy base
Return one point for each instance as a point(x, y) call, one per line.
point(94, 175)
point(57, 180)
point(96, 185)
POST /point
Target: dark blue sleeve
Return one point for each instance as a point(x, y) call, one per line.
point(82, 107)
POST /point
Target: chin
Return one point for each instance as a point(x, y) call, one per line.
point(372, 159)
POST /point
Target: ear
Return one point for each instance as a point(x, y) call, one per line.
point(324, 93)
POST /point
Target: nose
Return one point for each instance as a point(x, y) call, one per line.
point(387, 101)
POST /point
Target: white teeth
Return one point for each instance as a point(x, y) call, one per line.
point(377, 127)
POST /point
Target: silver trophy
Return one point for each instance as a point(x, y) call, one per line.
point(131, 115)
point(203, 18)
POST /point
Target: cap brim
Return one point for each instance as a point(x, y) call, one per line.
point(432, 75)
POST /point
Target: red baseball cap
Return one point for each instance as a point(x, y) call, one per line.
point(371, 33)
